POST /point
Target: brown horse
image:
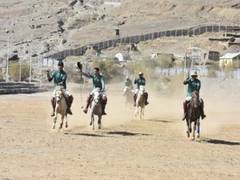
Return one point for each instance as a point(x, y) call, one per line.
point(193, 115)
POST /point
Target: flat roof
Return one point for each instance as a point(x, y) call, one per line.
point(229, 55)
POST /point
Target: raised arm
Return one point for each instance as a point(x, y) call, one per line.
point(49, 77)
point(88, 75)
point(186, 81)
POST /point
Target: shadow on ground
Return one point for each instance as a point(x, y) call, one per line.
point(159, 121)
point(106, 134)
point(86, 134)
point(222, 142)
point(126, 133)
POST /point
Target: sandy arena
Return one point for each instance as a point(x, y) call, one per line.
point(126, 148)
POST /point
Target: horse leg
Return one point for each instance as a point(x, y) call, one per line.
point(54, 121)
point(92, 122)
point(99, 122)
point(188, 131)
point(62, 119)
point(136, 112)
point(66, 122)
point(194, 130)
point(198, 128)
point(141, 113)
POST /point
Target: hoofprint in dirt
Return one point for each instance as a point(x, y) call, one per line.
point(154, 148)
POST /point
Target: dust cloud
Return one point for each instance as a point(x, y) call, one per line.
point(221, 105)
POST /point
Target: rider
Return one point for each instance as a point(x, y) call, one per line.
point(98, 82)
point(194, 84)
point(140, 82)
point(128, 85)
point(60, 77)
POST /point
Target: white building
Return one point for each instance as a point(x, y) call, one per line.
point(228, 59)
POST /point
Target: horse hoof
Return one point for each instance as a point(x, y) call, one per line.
point(66, 126)
point(198, 136)
point(192, 138)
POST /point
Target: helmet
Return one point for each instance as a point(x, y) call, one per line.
point(97, 68)
point(140, 73)
point(60, 63)
point(194, 73)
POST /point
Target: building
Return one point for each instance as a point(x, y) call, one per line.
point(229, 58)
point(214, 55)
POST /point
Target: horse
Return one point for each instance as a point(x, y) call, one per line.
point(96, 108)
point(140, 102)
point(193, 115)
point(128, 93)
point(60, 108)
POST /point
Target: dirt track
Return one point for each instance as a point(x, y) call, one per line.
point(154, 148)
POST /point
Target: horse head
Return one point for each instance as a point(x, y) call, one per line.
point(195, 99)
point(97, 95)
point(59, 94)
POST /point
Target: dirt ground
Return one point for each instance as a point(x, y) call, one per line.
point(126, 148)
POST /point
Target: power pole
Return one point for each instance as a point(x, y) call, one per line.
point(7, 74)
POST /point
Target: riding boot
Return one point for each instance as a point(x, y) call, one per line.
point(134, 99)
point(69, 104)
point(202, 110)
point(88, 104)
point(185, 110)
point(146, 98)
point(104, 102)
point(53, 102)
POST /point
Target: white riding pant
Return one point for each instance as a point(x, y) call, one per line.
point(65, 92)
point(102, 92)
point(188, 98)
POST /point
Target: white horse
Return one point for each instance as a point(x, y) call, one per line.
point(140, 102)
point(96, 108)
point(60, 108)
point(128, 93)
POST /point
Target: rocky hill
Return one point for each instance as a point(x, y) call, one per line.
point(39, 27)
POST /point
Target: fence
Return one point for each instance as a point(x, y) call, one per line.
point(196, 30)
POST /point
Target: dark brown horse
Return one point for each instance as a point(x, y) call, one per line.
point(193, 115)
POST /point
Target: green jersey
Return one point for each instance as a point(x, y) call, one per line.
point(193, 85)
point(59, 78)
point(140, 82)
point(97, 79)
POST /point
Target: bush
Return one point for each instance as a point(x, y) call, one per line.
point(148, 66)
point(14, 71)
point(109, 68)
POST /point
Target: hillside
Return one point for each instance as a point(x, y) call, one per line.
point(44, 26)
